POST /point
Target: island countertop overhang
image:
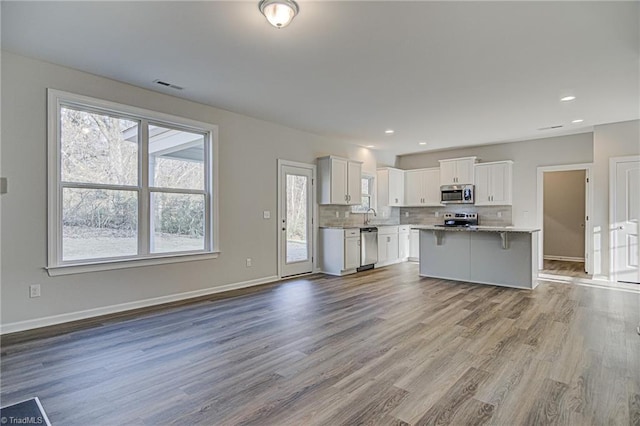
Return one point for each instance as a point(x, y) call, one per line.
point(476, 229)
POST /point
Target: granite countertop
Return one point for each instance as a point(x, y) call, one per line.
point(476, 229)
point(357, 226)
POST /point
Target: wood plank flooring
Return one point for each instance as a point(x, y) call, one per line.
point(567, 269)
point(381, 347)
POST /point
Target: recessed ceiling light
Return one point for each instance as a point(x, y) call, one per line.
point(567, 98)
point(422, 143)
point(389, 131)
point(579, 120)
point(370, 146)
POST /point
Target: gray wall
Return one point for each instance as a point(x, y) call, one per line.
point(249, 149)
point(564, 213)
point(527, 156)
point(610, 140)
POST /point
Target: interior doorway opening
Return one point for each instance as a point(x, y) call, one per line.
point(563, 217)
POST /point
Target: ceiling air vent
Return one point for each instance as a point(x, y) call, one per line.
point(165, 84)
point(551, 127)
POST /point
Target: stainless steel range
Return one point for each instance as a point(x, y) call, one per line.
point(460, 220)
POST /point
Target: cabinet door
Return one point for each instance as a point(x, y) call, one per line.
point(382, 249)
point(354, 183)
point(396, 187)
point(431, 185)
point(338, 181)
point(483, 189)
point(500, 184)
point(404, 244)
point(392, 248)
point(465, 171)
point(413, 188)
point(414, 244)
point(351, 253)
point(448, 173)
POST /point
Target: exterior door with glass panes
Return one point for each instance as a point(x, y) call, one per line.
point(296, 224)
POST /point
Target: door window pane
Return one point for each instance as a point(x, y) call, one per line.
point(176, 159)
point(297, 247)
point(98, 223)
point(178, 222)
point(98, 148)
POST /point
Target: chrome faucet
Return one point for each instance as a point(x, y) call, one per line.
point(366, 215)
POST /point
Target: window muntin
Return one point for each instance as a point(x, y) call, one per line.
point(102, 209)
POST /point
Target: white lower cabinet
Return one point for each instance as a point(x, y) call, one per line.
point(404, 242)
point(414, 245)
point(387, 245)
point(339, 250)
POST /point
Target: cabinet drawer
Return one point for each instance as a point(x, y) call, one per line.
point(387, 230)
point(351, 233)
point(404, 228)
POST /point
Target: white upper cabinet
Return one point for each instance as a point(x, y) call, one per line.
point(422, 187)
point(457, 171)
point(493, 183)
point(340, 181)
point(390, 187)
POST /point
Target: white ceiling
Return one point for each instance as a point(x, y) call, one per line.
point(447, 73)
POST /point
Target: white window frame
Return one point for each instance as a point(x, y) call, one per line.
point(372, 187)
point(55, 265)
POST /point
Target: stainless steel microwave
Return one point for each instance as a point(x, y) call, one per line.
point(457, 194)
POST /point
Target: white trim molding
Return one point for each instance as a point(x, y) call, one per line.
point(588, 208)
point(106, 310)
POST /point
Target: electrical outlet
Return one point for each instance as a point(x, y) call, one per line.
point(406, 214)
point(499, 214)
point(437, 214)
point(34, 290)
point(338, 215)
point(248, 262)
point(266, 214)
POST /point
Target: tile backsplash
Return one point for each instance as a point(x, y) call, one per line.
point(487, 215)
point(385, 216)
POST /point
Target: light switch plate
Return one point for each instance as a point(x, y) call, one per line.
point(266, 214)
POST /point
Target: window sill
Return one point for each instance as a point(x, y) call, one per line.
point(80, 268)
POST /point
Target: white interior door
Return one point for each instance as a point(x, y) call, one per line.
point(626, 218)
point(296, 219)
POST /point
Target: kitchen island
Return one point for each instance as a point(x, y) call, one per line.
point(503, 256)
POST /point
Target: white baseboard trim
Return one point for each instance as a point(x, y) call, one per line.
point(564, 258)
point(96, 312)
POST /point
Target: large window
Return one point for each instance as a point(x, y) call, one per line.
point(127, 186)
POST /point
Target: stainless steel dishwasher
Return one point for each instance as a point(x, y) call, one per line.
point(368, 247)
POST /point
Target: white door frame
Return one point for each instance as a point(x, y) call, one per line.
point(314, 208)
point(613, 236)
point(588, 209)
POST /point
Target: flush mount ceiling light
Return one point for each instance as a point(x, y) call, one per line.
point(370, 146)
point(422, 143)
point(568, 98)
point(579, 120)
point(389, 131)
point(279, 13)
